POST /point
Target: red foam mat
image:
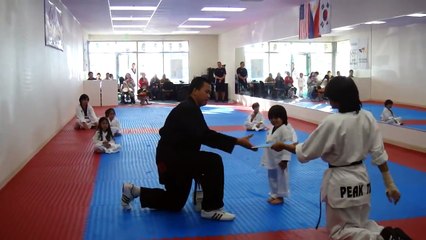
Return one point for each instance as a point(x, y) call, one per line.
point(49, 197)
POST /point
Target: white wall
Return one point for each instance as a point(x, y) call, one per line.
point(399, 61)
point(203, 49)
point(345, 12)
point(40, 85)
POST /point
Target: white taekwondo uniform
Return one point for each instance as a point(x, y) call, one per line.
point(343, 139)
point(278, 179)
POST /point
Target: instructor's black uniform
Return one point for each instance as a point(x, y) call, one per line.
point(179, 160)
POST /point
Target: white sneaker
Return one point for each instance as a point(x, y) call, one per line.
point(219, 215)
point(127, 196)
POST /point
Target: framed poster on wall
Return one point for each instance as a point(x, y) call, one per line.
point(53, 24)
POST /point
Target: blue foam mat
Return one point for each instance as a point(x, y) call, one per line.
point(246, 190)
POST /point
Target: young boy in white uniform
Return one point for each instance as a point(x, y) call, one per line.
point(277, 162)
point(255, 120)
point(343, 140)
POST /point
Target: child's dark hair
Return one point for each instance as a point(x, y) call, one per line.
point(344, 91)
point(83, 97)
point(388, 101)
point(278, 111)
point(99, 130)
point(255, 105)
point(108, 111)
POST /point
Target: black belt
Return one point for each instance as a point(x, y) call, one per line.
point(351, 164)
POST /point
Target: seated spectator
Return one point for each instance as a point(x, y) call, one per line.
point(164, 79)
point(128, 90)
point(387, 115)
point(269, 79)
point(280, 88)
point(290, 90)
point(154, 87)
point(255, 120)
point(86, 116)
point(90, 74)
point(113, 121)
point(143, 82)
point(106, 76)
point(98, 76)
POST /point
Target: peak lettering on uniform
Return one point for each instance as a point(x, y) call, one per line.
point(354, 191)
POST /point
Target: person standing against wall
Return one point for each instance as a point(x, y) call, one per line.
point(219, 76)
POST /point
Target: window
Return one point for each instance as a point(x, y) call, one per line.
point(151, 57)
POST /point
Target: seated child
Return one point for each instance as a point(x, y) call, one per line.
point(103, 139)
point(86, 116)
point(113, 121)
point(276, 162)
point(387, 115)
point(254, 121)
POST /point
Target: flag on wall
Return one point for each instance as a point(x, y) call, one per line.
point(304, 21)
point(314, 19)
point(325, 10)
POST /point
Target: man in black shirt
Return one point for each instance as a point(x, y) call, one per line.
point(219, 76)
point(180, 160)
point(242, 75)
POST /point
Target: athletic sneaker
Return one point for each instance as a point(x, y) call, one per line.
point(127, 196)
point(219, 215)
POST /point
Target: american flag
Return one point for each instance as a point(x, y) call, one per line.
point(304, 21)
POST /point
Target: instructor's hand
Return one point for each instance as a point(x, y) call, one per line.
point(245, 142)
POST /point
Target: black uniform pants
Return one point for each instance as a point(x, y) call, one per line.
point(206, 167)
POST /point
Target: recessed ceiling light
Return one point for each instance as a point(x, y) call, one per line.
point(129, 26)
point(137, 8)
point(194, 26)
point(417, 15)
point(207, 19)
point(222, 9)
point(127, 32)
point(185, 32)
point(130, 18)
point(375, 22)
point(342, 29)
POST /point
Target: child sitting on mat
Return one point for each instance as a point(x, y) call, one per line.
point(113, 121)
point(254, 122)
point(103, 139)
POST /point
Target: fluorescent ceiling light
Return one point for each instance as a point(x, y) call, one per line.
point(127, 32)
point(206, 19)
point(194, 26)
point(138, 8)
point(342, 29)
point(185, 32)
point(130, 18)
point(129, 26)
point(417, 15)
point(375, 22)
point(222, 9)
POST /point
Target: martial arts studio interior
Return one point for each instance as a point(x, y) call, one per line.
point(54, 186)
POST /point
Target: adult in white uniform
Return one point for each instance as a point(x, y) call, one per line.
point(103, 138)
point(255, 120)
point(277, 162)
point(343, 140)
point(387, 115)
point(113, 121)
point(86, 116)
